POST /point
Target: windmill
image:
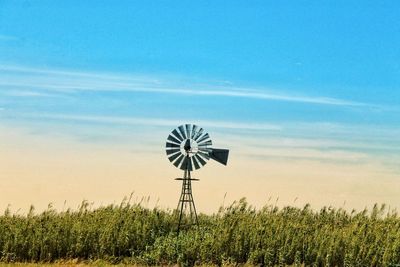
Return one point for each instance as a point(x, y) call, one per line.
point(189, 148)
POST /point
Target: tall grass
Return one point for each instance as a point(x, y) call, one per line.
point(236, 234)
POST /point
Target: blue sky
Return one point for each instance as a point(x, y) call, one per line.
point(318, 79)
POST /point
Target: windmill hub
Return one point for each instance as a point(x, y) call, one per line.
point(187, 145)
point(189, 148)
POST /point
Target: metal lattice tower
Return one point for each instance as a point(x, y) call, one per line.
point(189, 148)
point(186, 206)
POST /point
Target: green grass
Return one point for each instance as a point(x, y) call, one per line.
point(68, 263)
point(238, 234)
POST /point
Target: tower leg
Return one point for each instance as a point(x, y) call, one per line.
point(186, 206)
point(192, 205)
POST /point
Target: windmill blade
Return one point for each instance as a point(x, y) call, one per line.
point(190, 164)
point(182, 131)
point(205, 150)
point(195, 163)
point(205, 143)
point(173, 139)
point(172, 151)
point(185, 163)
point(198, 134)
point(188, 126)
point(177, 135)
point(178, 161)
point(219, 155)
point(194, 131)
point(171, 145)
point(174, 156)
point(201, 161)
point(204, 137)
point(204, 155)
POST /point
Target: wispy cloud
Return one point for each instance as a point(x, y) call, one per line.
point(26, 93)
point(342, 144)
point(152, 121)
point(316, 135)
point(263, 135)
point(72, 81)
point(272, 144)
point(331, 156)
point(274, 96)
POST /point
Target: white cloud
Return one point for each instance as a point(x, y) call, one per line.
point(262, 141)
point(154, 121)
point(313, 135)
point(72, 81)
point(26, 93)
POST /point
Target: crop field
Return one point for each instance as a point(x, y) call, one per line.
point(237, 234)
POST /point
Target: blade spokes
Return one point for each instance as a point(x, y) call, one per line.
point(177, 135)
point(204, 137)
point(178, 161)
point(187, 126)
point(195, 162)
point(174, 156)
point(182, 131)
point(173, 139)
point(172, 145)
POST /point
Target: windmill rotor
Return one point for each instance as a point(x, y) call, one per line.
point(189, 147)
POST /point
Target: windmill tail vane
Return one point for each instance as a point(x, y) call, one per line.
point(189, 148)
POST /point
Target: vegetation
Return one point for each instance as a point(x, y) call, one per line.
point(238, 234)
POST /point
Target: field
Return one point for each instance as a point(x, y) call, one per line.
point(237, 234)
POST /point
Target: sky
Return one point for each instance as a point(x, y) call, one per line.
point(305, 94)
